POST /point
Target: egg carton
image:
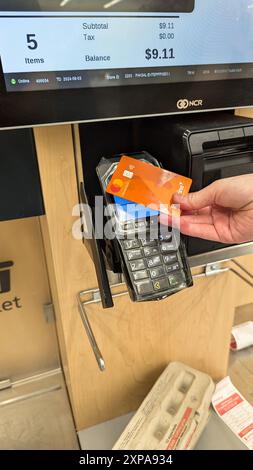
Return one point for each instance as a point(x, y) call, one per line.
point(173, 415)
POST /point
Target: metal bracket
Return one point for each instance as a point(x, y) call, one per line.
point(92, 296)
point(49, 314)
point(212, 269)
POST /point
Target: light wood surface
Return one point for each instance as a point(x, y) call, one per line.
point(244, 112)
point(28, 342)
point(243, 293)
point(137, 340)
point(70, 269)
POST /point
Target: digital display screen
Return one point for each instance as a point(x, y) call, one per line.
point(67, 44)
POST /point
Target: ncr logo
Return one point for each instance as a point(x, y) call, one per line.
point(185, 104)
point(5, 287)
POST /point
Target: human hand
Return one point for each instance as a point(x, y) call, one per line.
point(221, 212)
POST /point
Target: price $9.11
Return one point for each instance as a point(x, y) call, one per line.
point(160, 54)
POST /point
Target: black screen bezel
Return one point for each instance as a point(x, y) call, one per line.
point(19, 109)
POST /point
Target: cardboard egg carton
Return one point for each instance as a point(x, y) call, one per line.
point(173, 415)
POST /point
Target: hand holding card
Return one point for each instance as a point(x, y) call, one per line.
point(143, 183)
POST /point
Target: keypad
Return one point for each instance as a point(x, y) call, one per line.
point(173, 267)
point(169, 259)
point(175, 280)
point(167, 247)
point(154, 264)
point(154, 261)
point(140, 225)
point(166, 237)
point(157, 272)
point(140, 275)
point(145, 287)
point(130, 244)
point(161, 284)
point(134, 254)
point(151, 250)
point(149, 242)
point(138, 265)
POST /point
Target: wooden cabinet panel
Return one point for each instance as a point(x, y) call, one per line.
point(28, 343)
point(137, 340)
point(244, 112)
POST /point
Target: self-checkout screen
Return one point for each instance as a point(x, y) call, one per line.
point(81, 44)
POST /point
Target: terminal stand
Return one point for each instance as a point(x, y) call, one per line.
point(137, 341)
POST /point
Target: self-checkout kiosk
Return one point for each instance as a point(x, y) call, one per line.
point(81, 85)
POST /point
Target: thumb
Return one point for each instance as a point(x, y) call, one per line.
point(198, 200)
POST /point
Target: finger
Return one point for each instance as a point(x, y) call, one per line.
point(200, 216)
point(197, 219)
point(204, 211)
point(198, 200)
point(189, 227)
point(204, 231)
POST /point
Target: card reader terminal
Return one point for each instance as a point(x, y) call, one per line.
point(152, 257)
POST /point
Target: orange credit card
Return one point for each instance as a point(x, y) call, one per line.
point(146, 184)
